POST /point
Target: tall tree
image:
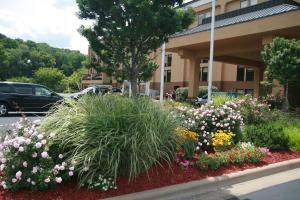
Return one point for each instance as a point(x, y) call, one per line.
point(125, 32)
point(282, 58)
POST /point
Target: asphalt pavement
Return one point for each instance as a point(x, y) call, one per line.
point(7, 121)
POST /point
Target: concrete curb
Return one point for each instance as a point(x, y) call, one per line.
point(209, 184)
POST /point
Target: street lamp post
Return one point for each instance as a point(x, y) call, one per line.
point(211, 56)
point(162, 72)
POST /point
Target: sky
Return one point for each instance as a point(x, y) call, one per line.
point(51, 21)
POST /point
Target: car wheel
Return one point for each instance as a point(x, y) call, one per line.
point(3, 109)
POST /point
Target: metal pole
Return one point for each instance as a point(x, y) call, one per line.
point(211, 56)
point(162, 72)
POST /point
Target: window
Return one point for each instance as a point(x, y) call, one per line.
point(203, 16)
point(249, 91)
point(167, 77)
point(204, 73)
point(168, 60)
point(4, 88)
point(41, 91)
point(247, 3)
point(204, 61)
point(23, 89)
point(240, 73)
point(249, 74)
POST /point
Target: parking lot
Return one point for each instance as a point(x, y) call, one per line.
point(7, 121)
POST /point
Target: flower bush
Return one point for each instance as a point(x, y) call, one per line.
point(205, 121)
point(26, 162)
point(223, 140)
point(236, 155)
point(188, 140)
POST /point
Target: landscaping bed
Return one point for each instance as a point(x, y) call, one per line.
point(158, 177)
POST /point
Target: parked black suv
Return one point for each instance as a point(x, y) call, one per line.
point(26, 97)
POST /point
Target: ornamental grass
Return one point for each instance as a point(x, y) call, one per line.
point(113, 136)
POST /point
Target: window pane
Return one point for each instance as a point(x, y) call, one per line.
point(169, 61)
point(253, 2)
point(40, 91)
point(244, 3)
point(5, 88)
point(23, 89)
point(200, 18)
point(250, 74)
point(240, 73)
point(168, 75)
point(204, 73)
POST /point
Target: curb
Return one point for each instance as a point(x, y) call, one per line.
point(209, 184)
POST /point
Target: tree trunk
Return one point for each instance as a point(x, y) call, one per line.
point(134, 87)
point(286, 105)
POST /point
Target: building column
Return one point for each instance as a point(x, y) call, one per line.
point(194, 69)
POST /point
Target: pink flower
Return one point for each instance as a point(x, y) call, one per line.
point(71, 173)
point(34, 170)
point(58, 179)
point(44, 154)
point(185, 163)
point(34, 155)
point(38, 145)
point(18, 175)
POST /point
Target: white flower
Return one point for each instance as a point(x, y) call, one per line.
point(71, 168)
point(40, 136)
point(205, 152)
point(2, 166)
point(29, 180)
point(44, 142)
point(47, 180)
point(35, 169)
point(16, 145)
point(21, 149)
point(73, 162)
point(3, 160)
point(64, 163)
point(38, 145)
point(58, 179)
point(44, 154)
point(28, 141)
point(86, 169)
point(60, 156)
point(32, 183)
point(61, 168)
point(14, 180)
point(25, 164)
point(34, 155)
point(197, 148)
point(52, 135)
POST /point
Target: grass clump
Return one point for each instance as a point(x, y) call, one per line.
point(113, 136)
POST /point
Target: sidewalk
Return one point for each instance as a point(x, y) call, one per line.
point(197, 189)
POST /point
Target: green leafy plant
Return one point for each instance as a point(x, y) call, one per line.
point(267, 135)
point(113, 136)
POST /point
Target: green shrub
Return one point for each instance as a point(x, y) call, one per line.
point(267, 135)
point(113, 136)
point(221, 99)
point(292, 130)
point(182, 92)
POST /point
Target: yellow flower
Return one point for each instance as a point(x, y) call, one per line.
point(184, 134)
point(223, 138)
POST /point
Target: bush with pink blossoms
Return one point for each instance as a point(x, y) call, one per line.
point(208, 119)
point(26, 162)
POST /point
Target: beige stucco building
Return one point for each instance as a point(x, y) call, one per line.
point(243, 27)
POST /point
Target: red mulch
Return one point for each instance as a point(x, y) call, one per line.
point(159, 177)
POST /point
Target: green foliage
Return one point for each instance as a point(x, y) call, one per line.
point(292, 130)
point(221, 100)
point(282, 58)
point(113, 136)
point(73, 82)
point(189, 147)
point(50, 77)
point(21, 79)
point(267, 135)
point(23, 58)
point(126, 32)
point(233, 156)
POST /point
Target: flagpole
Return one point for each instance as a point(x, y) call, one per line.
point(162, 72)
point(211, 56)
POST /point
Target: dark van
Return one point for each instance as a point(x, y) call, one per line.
point(26, 97)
